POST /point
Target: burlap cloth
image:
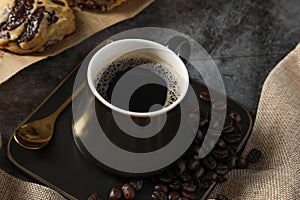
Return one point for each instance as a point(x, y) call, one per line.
point(276, 133)
point(12, 188)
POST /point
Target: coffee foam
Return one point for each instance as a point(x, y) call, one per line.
point(146, 61)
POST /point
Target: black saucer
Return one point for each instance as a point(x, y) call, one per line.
point(61, 166)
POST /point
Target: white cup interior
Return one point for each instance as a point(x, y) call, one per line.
point(112, 51)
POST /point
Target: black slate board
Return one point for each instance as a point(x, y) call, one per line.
point(61, 166)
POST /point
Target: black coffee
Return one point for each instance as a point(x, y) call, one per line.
point(160, 83)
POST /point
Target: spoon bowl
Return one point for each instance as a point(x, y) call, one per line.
point(38, 133)
point(35, 134)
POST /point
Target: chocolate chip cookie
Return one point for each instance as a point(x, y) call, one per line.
point(103, 5)
point(28, 26)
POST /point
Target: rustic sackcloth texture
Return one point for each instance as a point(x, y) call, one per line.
point(12, 188)
point(0, 141)
point(276, 133)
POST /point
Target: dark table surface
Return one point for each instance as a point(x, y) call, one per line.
point(246, 39)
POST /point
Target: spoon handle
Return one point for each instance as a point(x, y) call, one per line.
point(77, 91)
point(69, 100)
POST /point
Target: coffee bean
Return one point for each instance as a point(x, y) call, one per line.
point(203, 119)
point(128, 191)
point(115, 193)
point(220, 153)
point(165, 179)
point(161, 187)
point(242, 163)
point(219, 105)
point(203, 122)
point(137, 184)
point(231, 149)
point(199, 136)
point(228, 125)
point(159, 195)
point(232, 138)
point(153, 197)
point(196, 157)
point(206, 184)
point(196, 149)
point(189, 195)
point(173, 195)
point(209, 162)
point(254, 156)
point(210, 169)
point(222, 169)
point(238, 126)
point(173, 173)
point(181, 164)
point(199, 172)
point(221, 197)
point(175, 185)
point(229, 129)
point(215, 122)
point(95, 196)
point(205, 96)
point(221, 143)
point(221, 179)
point(210, 176)
point(189, 187)
point(185, 177)
point(235, 116)
point(204, 114)
point(193, 164)
point(231, 161)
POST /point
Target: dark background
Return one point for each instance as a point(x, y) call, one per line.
point(246, 39)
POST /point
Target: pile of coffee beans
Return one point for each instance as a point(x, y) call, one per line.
point(191, 176)
point(127, 191)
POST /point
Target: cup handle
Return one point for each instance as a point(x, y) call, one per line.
point(181, 46)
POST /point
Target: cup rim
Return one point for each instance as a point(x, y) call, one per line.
point(164, 110)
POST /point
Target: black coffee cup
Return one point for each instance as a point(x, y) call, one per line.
point(133, 143)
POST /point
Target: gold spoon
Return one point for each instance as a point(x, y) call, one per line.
point(36, 134)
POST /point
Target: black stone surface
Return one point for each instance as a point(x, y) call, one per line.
point(246, 38)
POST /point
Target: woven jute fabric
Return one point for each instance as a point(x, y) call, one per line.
point(12, 188)
point(276, 133)
point(0, 141)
